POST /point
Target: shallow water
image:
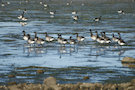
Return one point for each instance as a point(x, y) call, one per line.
point(69, 64)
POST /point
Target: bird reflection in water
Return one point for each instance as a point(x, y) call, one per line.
point(33, 51)
point(63, 50)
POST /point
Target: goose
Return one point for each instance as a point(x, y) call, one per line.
point(59, 38)
point(48, 38)
point(25, 11)
point(75, 18)
point(120, 11)
point(25, 37)
point(74, 12)
point(21, 16)
point(2, 4)
point(121, 41)
point(30, 40)
point(72, 41)
point(67, 4)
point(52, 12)
point(99, 39)
point(40, 2)
point(62, 40)
point(45, 5)
point(107, 39)
point(24, 19)
point(115, 39)
point(93, 37)
point(8, 2)
point(38, 40)
point(80, 38)
point(97, 19)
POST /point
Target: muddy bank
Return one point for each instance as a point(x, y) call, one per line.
point(51, 84)
point(128, 62)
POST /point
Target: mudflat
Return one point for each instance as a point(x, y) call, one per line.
point(51, 84)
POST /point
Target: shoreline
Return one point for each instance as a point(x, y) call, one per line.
point(51, 84)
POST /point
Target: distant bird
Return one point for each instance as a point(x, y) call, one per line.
point(120, 11)
point(68, 4)
point(48, 38)
point(74, 12)
point(41, 2)
point(80, 38)
point(45, 5)
point(25, 11)
point(121, 41)
point(97, 19)
point(72, 41)
point(93, 37)
point(75, 18)
point(22, 16)
point(25, 37)
point(24, 19)
point(2, 4)
point(8, 2)
point(52, 12)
